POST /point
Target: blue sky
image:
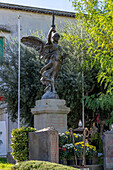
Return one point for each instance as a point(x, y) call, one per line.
point(63, 5)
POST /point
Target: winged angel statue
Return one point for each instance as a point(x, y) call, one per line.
point(52, 54)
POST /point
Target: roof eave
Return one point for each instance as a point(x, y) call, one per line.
point(37, 10)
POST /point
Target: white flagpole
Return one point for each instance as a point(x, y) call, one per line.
point(82, 88)
point(18, 72)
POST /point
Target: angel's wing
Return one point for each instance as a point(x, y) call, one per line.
point(34, 42)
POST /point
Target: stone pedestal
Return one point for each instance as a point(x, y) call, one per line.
point(108, 150)
point(50, 113)
point(43, 145)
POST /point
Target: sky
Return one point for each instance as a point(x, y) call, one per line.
point(63, 5)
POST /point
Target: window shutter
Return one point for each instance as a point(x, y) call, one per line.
point(1, 49)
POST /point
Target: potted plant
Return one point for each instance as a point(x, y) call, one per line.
point(62, 139)
point(77, 137)
point(69, 153)
point(90, 151)
point(62, 153)
point(69, 137)
point(79, 151)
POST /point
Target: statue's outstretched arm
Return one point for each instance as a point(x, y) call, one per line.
point(50, 34)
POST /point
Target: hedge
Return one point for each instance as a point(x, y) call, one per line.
point(19, 143)
point(42, 165)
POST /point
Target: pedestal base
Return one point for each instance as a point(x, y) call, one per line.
point(50, 113)
point(108, 150)
point(43, 145)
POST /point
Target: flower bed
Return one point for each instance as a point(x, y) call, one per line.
point(66, 147)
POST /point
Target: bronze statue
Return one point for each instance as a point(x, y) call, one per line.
point(52, 53)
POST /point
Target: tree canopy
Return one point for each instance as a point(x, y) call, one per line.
point(97, 17)
point(97, 21)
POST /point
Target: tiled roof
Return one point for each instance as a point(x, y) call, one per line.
point(36, 10)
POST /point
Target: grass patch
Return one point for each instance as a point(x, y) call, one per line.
point(5, 166)
point(41, 165)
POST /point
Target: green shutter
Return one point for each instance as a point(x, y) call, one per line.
point(1, 49)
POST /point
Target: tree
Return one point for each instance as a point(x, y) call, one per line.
point(97, 21)
point(70, 76)
point(31, 88)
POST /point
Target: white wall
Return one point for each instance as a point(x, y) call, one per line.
point(29, 21)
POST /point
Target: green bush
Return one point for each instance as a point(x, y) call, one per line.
point(96, 140)
point(19, 143)
point(3, 160)
point(42, 165)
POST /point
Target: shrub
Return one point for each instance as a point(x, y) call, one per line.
point(40, 165)
point(3, 160)
point(96, 140)
point(19, 143)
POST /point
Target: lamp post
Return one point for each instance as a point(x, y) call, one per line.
point(82, 87)
point(18, 71)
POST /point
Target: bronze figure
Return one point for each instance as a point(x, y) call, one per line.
point(52, 53)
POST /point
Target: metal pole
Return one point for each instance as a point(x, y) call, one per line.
point(18, 72)
point(82, 87)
